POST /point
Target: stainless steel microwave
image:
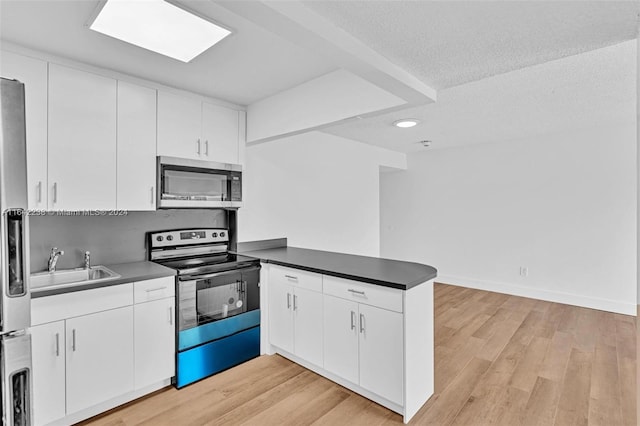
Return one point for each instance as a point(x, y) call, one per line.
point(186, 183)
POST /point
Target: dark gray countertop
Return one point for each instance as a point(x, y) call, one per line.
point(372, 270)
point(129, 272)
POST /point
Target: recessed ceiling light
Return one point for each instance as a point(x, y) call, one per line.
point(158, 26)
point(406, 122)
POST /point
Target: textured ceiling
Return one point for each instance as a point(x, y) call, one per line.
point(592, 89)
point(247, 66)
point(450, 43)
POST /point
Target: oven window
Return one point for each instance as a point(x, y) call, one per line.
point(220, 297)
point(195, 183)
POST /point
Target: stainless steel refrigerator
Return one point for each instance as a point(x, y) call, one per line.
point(15, 299)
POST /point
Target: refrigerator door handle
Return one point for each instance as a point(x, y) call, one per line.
point(14, 253)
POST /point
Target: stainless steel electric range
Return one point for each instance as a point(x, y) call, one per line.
point(217, 300)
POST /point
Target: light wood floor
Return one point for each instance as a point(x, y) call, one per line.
point(500, 360)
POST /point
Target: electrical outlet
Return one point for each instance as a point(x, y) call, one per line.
point(524, 271)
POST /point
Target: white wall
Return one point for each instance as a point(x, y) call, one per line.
point(562, 205)
point(318, 190)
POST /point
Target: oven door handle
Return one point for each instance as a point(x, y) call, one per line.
point(216, 274)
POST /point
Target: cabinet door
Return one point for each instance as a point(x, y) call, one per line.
point(99, 357)
point(307, 313)
point(154, 342)
point(281, 315)
point(179, 124)
point(220, 133)
point(381, 352)
point(82, 140)
point(136, 147)
point(341, 337)
point(33, 73)
point(48, 360)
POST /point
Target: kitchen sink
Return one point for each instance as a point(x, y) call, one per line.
point(68, 277)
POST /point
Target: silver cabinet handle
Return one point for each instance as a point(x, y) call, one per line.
point(291, 277)
point(55, 192)
point(206, 148)
point(198, 147)
point(57, 344)
point(155, 289)
point(353, 320)
point(40, 191)
point(170, 315)
point(356, 291)
point(288, 301)
point(73, 340)
point(295, 302)
point(361, 323)
point(152, 195)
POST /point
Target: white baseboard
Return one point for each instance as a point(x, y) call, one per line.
point(542, 294)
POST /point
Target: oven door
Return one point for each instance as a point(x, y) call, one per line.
point(213, 297)
point(195, 183)
point(15, 372)
point(217, 305)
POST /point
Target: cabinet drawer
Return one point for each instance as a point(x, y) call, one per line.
point(369, 294)
point(296, 277)
point(159, 288)
point(77, 303)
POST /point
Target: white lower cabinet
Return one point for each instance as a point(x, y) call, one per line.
point(281, 315)
point(341, 338)
point(295, 323)
point(99, 357)
point(96, 349)
point(154, 341)
point(380, 336)
point(48, 360)
point(374, 340)
point(363, 344)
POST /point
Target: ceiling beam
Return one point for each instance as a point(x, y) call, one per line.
point(302, 26)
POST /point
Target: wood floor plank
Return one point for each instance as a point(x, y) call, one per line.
point(542, 403)
point(628, 376)
point(451, 400)
point(604, 405)
point(556, 359)
point(526, 373)
point(499, 360)
point(573, 407)
point(359, 411)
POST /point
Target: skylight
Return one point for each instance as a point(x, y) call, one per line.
point(158, 26)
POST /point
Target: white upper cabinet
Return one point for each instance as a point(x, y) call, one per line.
point(82, 140)
point(33, 73)
point(136, 147)
point(220, 133)
point(190, 128)
point(179, 120)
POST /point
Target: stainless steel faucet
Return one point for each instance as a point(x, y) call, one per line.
point(53, 258)
point(87, 260)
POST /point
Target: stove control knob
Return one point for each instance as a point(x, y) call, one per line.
point(214, 235)
point(169, 237)
point(159, 238)
point(222, 234)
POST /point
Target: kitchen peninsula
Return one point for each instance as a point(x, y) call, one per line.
point(364, 322)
